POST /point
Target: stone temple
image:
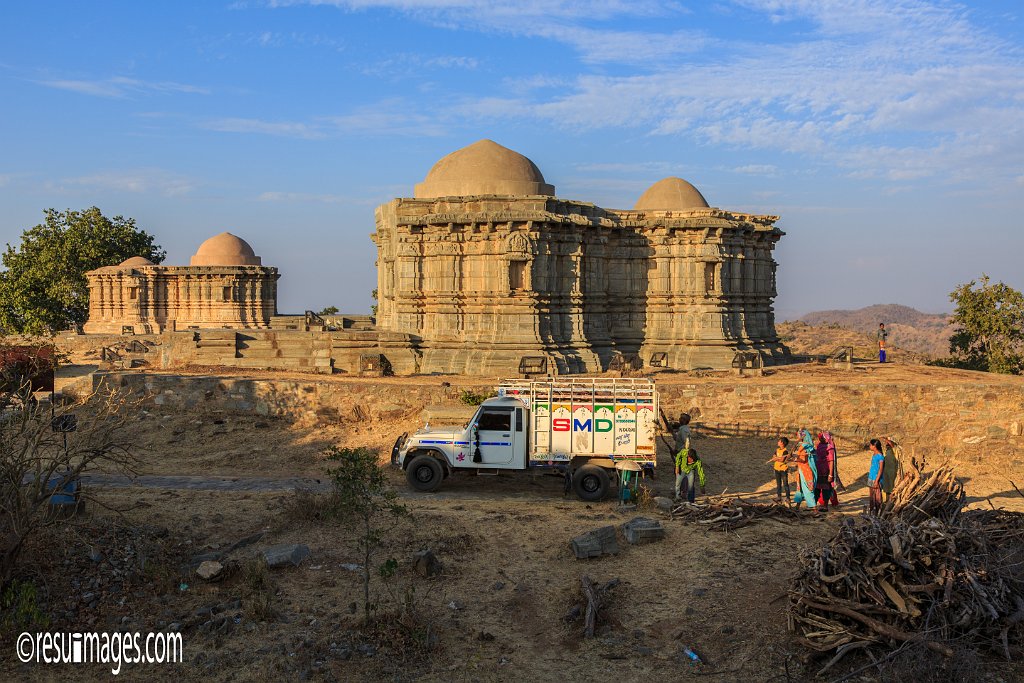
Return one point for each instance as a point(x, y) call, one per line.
point(225, 286)
point(485, 265)
point(482, 269)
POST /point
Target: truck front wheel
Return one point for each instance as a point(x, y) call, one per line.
point(590, 482)
point(424, 473)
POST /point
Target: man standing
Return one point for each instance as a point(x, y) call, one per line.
point(689, 472)
point(683, 432)
point(881, 337)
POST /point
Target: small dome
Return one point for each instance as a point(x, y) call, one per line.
point(485, 167)
point(225, 249)
point(135, 262)
point(671, 194)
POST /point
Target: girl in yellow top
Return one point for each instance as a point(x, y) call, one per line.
point(780, 463)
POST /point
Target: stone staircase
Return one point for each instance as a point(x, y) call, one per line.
point(264, 349)
point(282, 351)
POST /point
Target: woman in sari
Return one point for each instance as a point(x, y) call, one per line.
point(833, 454)
point(805, 469)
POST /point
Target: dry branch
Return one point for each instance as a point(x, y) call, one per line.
point(923, 571)
point(728, 513)
point(594, 596)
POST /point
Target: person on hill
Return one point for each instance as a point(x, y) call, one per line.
point(780, 464)
point(689, 471)
point(683, 432)
point(881, 336)
point(875, 472)
point(891, 466)
point(806, 470)
point(824, 461)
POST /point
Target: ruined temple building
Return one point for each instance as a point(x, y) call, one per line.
point(225, 286)
point(483, 269)
point(484, 265)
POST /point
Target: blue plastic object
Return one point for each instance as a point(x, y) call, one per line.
point(67, 494)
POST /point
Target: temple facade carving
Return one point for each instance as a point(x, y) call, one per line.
point(482, 273)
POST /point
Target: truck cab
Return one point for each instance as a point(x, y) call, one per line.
point(589, 429)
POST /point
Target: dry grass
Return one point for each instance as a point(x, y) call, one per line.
point(260, 590)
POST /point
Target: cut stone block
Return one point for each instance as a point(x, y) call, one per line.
point(285, 554)
point(602, 541)
point(643, 530)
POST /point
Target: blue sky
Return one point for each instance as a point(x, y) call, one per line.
point(888, 135)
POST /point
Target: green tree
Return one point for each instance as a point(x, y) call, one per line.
point(373, 308)
point(329, 310)
point(43, 287)
point(989, 332)
point(362, 498)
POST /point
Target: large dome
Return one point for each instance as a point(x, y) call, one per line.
point(225, 249)
point(135, 262)
point(670, 194)
point(485, 167)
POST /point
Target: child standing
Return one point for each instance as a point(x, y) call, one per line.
point(780, 463)
point(689, 471)
point(875, 476)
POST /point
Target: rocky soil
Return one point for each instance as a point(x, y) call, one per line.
point(495, 611)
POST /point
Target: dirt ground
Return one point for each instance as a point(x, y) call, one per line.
point(495, 612)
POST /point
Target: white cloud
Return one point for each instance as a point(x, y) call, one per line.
point(644, 167)
point(300, 197)
point(494, 11)
point(560, 20)
point(893, 89)
point(145, 180)
point(386, 117)
point(291, 129)
point(8, 178)
point(756, 169)
point(121, 86)
point(405, 64)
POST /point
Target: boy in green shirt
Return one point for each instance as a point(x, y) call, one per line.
point(689, 469)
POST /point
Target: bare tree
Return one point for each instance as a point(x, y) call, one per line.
point(41, 456)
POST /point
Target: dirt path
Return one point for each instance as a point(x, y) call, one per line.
point(203, 483)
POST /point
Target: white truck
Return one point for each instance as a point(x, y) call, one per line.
point(590, 429)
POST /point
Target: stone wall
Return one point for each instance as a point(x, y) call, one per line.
point(320, 352)
point(952, 418)
point(946, 419)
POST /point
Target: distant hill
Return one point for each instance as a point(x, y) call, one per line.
point(815, 340)
point(909, 328)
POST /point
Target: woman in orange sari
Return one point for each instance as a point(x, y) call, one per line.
point(805, 469)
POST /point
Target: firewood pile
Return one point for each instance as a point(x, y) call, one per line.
point(924, 572)
point(916, 498)
point(728, 513)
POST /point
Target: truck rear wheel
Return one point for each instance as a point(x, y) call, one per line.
point(424, 473)
point(590, 482)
